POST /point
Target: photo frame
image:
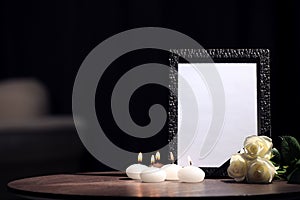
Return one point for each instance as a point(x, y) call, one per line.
point(251, 69)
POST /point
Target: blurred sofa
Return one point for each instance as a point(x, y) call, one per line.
point(32, 141)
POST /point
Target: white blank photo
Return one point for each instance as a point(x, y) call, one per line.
point(240, 88)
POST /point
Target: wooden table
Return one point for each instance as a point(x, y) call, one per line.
point(116, 184)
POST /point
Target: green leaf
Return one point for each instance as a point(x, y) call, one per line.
point(298, 163)
point(290, 150)
point(276, 158)
point(294, 176)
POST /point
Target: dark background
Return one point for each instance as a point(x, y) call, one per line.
point(48, 40)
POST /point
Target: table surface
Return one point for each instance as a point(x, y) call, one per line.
point(113, 184)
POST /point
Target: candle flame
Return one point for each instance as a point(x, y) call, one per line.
point(157, 156)
point(190, 160)
point(140, 157)
point(171, 157)
point(152, 160)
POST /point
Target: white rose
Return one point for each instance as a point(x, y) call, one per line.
point(260, 170)
point(258, 146)
point(237, 168)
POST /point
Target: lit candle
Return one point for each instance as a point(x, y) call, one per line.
point(191, 174)
point(171, 169)
point(157, 159)
point(153, 174)
point(133, 171)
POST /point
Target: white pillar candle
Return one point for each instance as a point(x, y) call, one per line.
point(133, 171)
point(191, 174)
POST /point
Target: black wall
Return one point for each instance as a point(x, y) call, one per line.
point(50, 39)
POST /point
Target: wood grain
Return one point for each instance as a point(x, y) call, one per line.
point(109, 184)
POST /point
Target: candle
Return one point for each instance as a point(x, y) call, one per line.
point(133, 171)
point(153, 174)
point(157, 159)
point(171, 169)
point(191, 174)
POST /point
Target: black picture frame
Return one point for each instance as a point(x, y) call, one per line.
point(259, 56)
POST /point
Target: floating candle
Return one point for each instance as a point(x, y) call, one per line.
point(157, 159)
point(191, 174)
point(153, 174)
point(171, 169)
point(133, 171)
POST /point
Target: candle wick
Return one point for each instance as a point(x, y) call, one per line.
point(172, 161)
point(190, 162)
